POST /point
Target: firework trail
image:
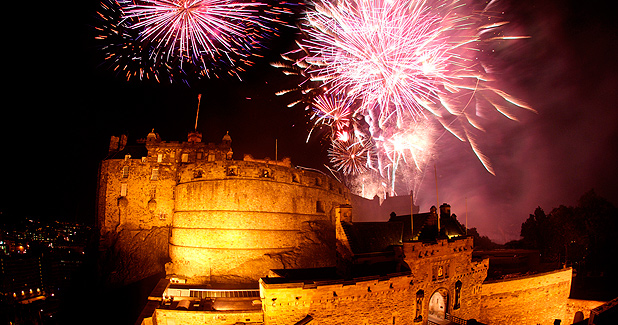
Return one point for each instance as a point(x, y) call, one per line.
point(412, 70)
point(199, 38)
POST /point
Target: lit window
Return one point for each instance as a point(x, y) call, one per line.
point(184, 158)
point(457, 295)
point(123, 190)
point(159, 157)
point(211, 157)
point(155, 174)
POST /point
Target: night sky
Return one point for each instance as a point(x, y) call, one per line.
point(61, 109)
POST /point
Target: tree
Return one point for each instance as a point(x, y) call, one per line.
point(482, 242)
point(584, 236)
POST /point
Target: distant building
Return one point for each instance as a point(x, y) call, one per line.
point(257, 241)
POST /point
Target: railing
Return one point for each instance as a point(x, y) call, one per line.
point(456, 319)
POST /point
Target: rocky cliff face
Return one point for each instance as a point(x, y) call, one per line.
point(132, 255)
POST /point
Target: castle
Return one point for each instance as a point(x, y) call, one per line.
point(260, 241)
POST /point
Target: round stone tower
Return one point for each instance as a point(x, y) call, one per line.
point(236, 220)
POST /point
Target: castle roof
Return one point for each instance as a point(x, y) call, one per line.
point(422, 226)
point(373, 237)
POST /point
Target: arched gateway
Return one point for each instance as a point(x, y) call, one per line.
point(438, 304)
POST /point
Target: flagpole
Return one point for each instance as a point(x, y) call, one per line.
point(435, 170)
point(199, 98)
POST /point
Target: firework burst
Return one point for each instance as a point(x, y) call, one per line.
point(412, 70)
point(349, 157)
point(188, 38)
point(195, 27)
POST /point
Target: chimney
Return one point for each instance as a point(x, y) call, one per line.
point(445, 210)
point(433, 219)
point(113, 144)
point(123, 142)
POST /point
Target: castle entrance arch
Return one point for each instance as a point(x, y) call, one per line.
point(438, 304)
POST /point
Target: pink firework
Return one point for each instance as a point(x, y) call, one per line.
point(334, 111)
point(199, 29)
point(412, 66)
point(349, 157)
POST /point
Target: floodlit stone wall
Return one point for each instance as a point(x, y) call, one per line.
point(130, 199)
point(134, 217)
point(374, 301)
point(537, 299)
point(185, 317)
point(236, 220)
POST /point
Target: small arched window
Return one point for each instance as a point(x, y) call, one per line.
point(457, 295)
point(319, 207)
point(420, 295)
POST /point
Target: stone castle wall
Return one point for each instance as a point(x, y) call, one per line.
point(238, 219)
point(136, 201)
point(134, 219)
point(537, 299)
point(184, 317)
point(376, 301)
point(444, 266)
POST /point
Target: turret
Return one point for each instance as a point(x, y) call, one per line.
point(227, 140)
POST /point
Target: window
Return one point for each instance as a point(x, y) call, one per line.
point(155, 174)
point(199, 155)
point(211, 157)
point(419, 305)
point(125, 172)
point(457, 295)
point(266, 173)
point(123, 190)
point(232, 171)
point(184, 157)
point(439, 272)
point(319, 207)
point(159, 157)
